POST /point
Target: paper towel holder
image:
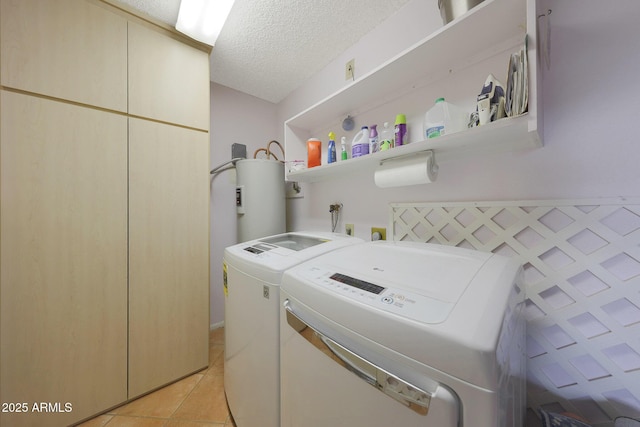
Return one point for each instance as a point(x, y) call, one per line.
point(422, 169)
point(430, 154)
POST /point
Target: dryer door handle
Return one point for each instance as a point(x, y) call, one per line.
point(408, 394)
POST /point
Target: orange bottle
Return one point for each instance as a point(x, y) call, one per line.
point(314, 152)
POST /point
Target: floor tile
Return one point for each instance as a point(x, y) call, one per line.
point(99, 421)
point(195, 401)
point(217, 336)
point(206, 402)
point(216, 360)
point(120, 421)
point(230, 422)
point(183, 423)
point(161, 403)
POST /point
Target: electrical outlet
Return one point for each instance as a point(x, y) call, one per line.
point(378, 233)
point(348, 228)
point(349, 70)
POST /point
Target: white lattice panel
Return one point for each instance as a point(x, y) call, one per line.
point(582, 269)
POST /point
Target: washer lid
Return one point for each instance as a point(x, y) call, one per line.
point(417, 281)
point(435, 271)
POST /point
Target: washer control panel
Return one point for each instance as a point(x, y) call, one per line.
point(259, 248)
point(399, 301)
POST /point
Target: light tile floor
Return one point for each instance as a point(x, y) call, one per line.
point(196, 401)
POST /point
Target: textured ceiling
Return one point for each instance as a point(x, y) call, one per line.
point(162, 10)
point(268, 48)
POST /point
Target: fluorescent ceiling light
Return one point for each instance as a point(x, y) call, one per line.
point(203, 19)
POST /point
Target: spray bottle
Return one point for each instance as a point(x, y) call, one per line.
point(331, 151)
point(343, 142)
point(386, 137)
point(401, 137)
point(373, 139)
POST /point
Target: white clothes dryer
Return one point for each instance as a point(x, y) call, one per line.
point(253, 271)
point(434, 335)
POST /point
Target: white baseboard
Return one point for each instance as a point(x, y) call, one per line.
point(216, 325)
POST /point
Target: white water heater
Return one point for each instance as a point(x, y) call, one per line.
point(260, 198)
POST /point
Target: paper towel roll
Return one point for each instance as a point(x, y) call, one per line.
point(411, 170)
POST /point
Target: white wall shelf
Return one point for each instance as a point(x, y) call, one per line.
point(491, 23)
point(503, 135)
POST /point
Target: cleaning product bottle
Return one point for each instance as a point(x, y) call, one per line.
point(343, 142)
point(373, 139)
point(434, 120)
point(331, 149)
point(314, 150)
point(401, 135)
point(386, 137)
point(360, 143)
point(443, 119)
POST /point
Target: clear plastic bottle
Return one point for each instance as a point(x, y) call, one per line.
point(343, 153)
point(386, 137)
point(360, 143)
point(443, 119)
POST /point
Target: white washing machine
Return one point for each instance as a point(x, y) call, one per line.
point(434, 335)
point(253, 271)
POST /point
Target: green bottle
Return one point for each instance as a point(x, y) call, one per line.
point(343, 142)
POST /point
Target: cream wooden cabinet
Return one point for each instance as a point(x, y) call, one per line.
point(69, 49)
point(104, 209)
point(168, 80)
point(168, 253)
point(63, 259)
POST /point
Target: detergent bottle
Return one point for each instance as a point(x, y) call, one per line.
point(331, 151)
point(360, 143)
point(314, 150)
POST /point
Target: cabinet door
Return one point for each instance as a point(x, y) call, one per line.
point(69, 49)
point(63, 259)
point(168, 80)
point(168, 253)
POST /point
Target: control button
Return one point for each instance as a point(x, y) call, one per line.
point(387, 300)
